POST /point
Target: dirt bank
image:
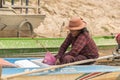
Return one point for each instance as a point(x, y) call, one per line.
point(102, 16)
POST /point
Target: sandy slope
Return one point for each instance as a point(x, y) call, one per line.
point(102, 16)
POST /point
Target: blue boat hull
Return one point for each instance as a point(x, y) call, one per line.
point(66, 70)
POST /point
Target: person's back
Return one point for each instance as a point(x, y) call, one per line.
point(90, 49)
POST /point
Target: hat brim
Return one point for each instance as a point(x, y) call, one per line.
point(77, 27)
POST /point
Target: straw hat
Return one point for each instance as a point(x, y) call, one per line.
point(76, 23)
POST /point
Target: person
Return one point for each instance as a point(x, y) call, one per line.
point(82, 45)
point(117, 37)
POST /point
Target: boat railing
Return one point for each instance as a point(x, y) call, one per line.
point(24, 6)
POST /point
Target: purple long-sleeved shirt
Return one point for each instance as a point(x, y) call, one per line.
point(83, 44)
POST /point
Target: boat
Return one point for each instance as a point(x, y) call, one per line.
point(38, 46)
point(18, 20)
point(73, 72)
point(15, 23)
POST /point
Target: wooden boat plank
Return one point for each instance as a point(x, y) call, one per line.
point(49, 77)
point(109, 76)
point(46, 42)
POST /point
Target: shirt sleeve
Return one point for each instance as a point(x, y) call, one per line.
point(78, 45)
point(64, 46)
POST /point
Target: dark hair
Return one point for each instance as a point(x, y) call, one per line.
point(84, 30)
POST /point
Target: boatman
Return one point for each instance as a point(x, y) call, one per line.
point(82, 45)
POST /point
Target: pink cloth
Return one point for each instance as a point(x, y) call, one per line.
point(49, 59)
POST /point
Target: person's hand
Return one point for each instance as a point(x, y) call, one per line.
point(44, 61)
point(57, 62)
